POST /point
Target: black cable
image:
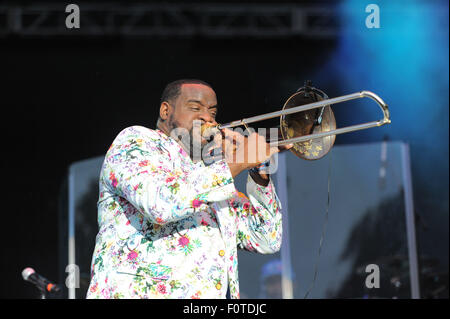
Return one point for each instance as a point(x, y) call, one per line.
point(323, 231)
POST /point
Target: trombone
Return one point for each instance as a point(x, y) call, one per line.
point(313, 131)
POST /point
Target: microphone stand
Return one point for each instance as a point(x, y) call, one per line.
point(43, 293)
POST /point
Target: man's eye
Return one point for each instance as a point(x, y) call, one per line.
point(195, 108)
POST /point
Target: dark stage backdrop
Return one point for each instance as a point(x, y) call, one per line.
point(64, 100)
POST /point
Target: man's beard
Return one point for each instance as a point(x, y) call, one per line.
point(191, 140)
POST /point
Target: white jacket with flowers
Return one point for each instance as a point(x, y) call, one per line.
point(169, 228)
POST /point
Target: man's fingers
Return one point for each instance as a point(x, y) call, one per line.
point(274, 150)
point(228, 132)
point(285, 147)
point(249, 149)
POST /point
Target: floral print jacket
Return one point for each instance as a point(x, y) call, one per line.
point(170, 228)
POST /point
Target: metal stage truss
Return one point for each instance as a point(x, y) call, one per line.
point(172, 20)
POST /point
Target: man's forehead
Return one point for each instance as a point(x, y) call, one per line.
point(197, 91)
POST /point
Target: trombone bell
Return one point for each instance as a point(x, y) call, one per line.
point(308, 122)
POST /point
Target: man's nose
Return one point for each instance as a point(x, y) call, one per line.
point(206, 117)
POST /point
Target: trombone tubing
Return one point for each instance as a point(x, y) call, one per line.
point(301, 108)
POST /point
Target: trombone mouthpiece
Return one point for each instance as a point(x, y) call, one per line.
point(207, 127)
point(209, 131)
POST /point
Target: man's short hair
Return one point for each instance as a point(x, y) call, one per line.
point(173, 90)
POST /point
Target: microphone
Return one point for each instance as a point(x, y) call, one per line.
point(28, 274)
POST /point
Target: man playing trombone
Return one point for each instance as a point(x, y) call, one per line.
point(170, 224)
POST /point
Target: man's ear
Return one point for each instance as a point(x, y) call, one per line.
point(164, 111)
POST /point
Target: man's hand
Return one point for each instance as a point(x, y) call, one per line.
point(242, 152)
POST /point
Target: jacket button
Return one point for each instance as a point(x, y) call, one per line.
point(221, 253)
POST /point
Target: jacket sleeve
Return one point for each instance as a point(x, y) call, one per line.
point(139, 169)
point(259, 218)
